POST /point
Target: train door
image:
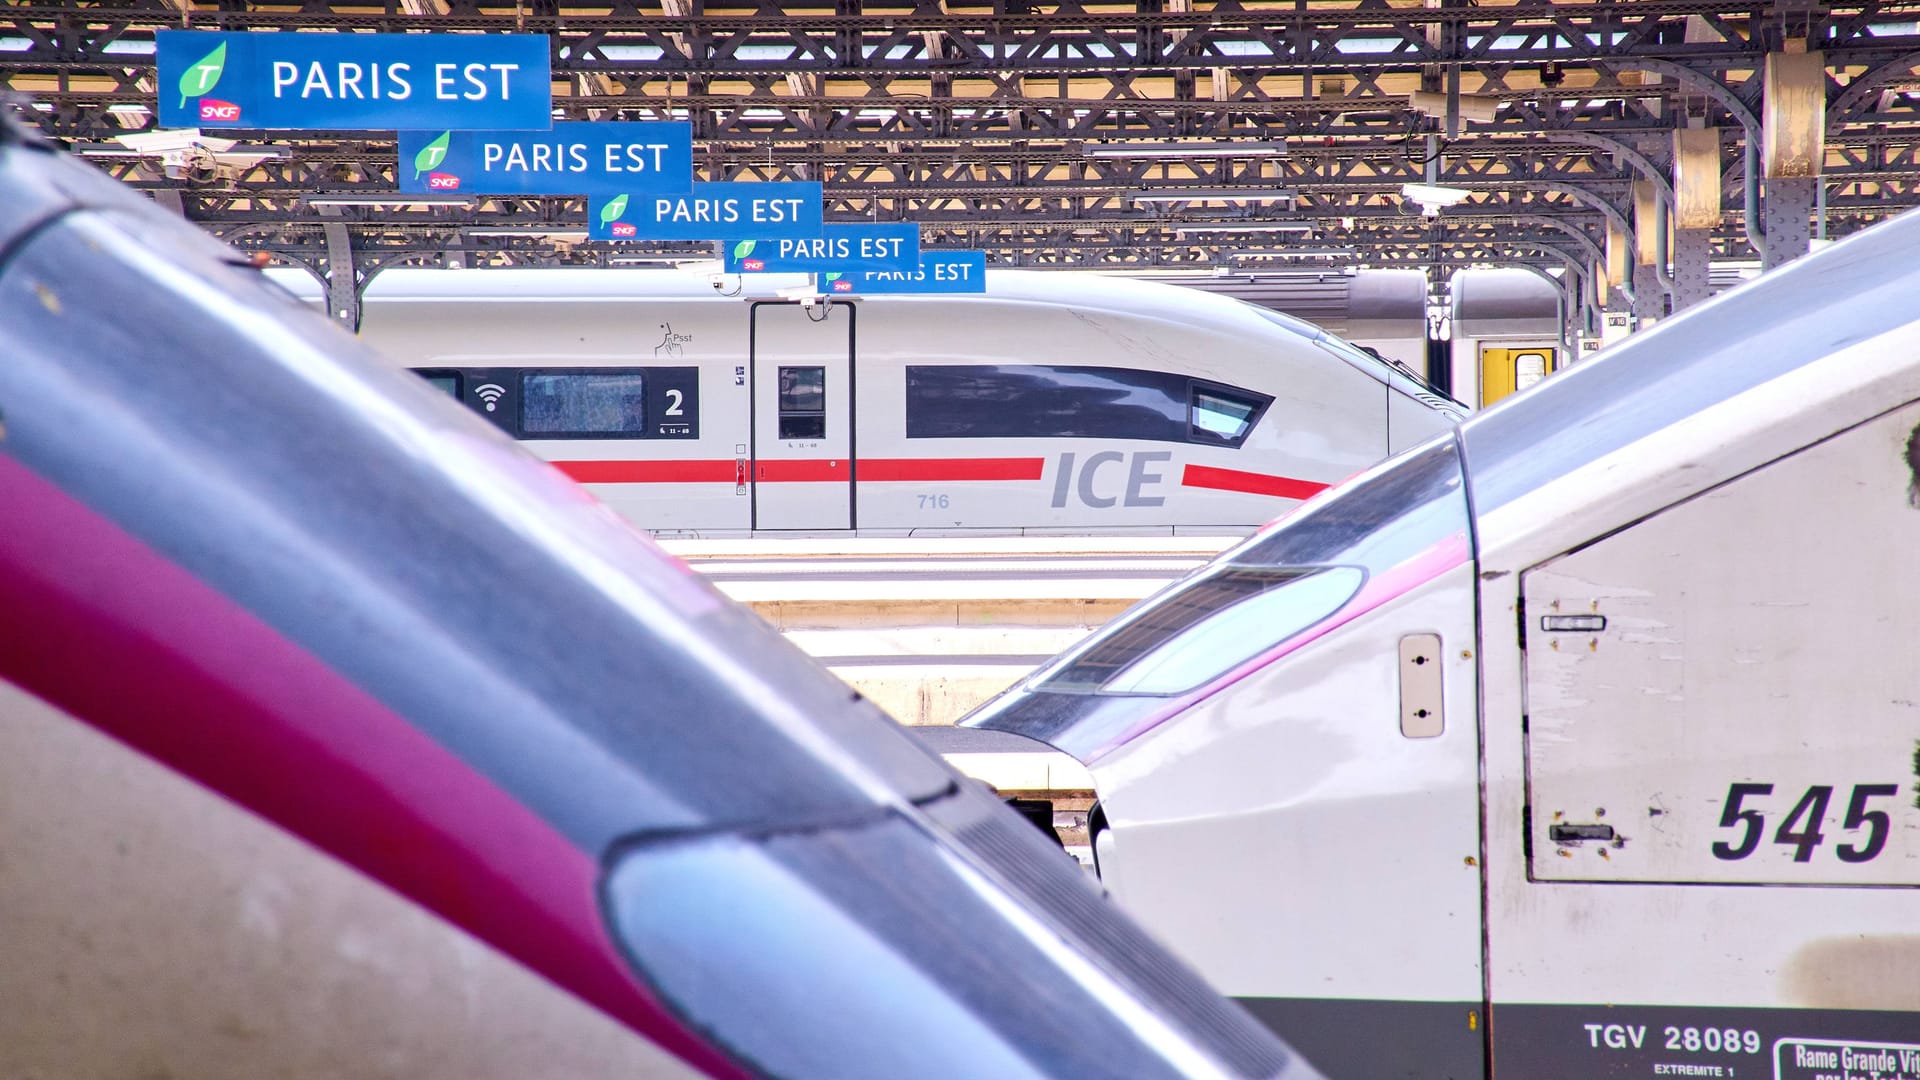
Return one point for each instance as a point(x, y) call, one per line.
point(1506, 370)
point(802, 455)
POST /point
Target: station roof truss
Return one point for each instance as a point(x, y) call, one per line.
point(1009, 126)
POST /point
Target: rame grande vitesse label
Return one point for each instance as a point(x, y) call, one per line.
point(1830, 1059)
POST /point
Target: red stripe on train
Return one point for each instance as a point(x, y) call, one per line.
point(938, 469)
point(805, 471)
point(878, 470)
point(1285, 487)
point(202, 684)
point(649, 472)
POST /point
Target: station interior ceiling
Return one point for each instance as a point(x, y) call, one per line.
point(1227, 139)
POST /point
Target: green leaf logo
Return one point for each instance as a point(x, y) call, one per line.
point(431, 155)
point(743, 249)
point(614, 208)
point(833, 277)
point(203, 76)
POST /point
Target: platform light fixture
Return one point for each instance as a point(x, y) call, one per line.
point(385, 198)
point(1231, 195)
point(538, 232)
point(1476, 107)
point(1433, 198)
point(1186, 148)
point(1298, 253)
point(656, 260)
point(1248, 227)
point(177, 141)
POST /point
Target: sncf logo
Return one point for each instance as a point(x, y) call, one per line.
point(215, 109)
point(442, 182)
point(751, 265)
point(625, 228)
point(843, 286)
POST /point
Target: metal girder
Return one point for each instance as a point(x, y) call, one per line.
point(958, 114)
point(745, 37)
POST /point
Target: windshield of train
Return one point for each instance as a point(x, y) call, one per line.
point(1334, 558)
point(1185, 636)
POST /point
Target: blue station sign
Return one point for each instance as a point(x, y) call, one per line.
point(718, 211)
point(838, 248)
point(348, 81)
point(939, 272)
point(572, 158)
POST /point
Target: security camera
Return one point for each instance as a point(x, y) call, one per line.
point(195, 164)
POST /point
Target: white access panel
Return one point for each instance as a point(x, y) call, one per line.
point(1728, 691)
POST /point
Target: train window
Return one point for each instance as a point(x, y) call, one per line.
point(1221, 415)
point(803, 403)
point(448, 382)
point(999, 401)
point(1203, 629)
point(582, 403)
point(988, 401)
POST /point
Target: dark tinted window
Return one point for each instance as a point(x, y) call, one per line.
point(1053, 401)
point(803, 402)
point(448, 382)
point(1194, 632)
point(570, 403)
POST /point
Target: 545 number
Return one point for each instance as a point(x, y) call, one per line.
point(1801, 829)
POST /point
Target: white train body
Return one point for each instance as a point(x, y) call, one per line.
point(1580, 742)
point(1382, 310)
point(1054, 403)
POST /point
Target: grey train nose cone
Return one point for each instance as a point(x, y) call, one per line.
point(361, 687)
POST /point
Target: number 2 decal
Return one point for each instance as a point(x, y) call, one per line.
point(675, 397)
point(1800, 830)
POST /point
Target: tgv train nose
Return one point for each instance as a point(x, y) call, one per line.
point(925, 954)
point(1334, 560)
point(1289, 733)
point(437, 669)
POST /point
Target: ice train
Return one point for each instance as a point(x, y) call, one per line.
point(341, 737)
point(1578, 742)
point(1053, 403)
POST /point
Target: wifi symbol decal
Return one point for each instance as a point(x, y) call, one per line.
point(491, 393)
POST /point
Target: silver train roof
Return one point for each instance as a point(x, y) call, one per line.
point(1080, 290)
point(1812, 308)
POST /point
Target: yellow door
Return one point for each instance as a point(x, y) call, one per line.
point(1503, 371)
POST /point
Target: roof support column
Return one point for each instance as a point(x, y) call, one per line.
point(1696, 178)
point(1789, 207)
point(1696, 210)
point(1649, 296)
point(1691, 250)
point(343, 285)
point(1794, 119)
point(1649, 300)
